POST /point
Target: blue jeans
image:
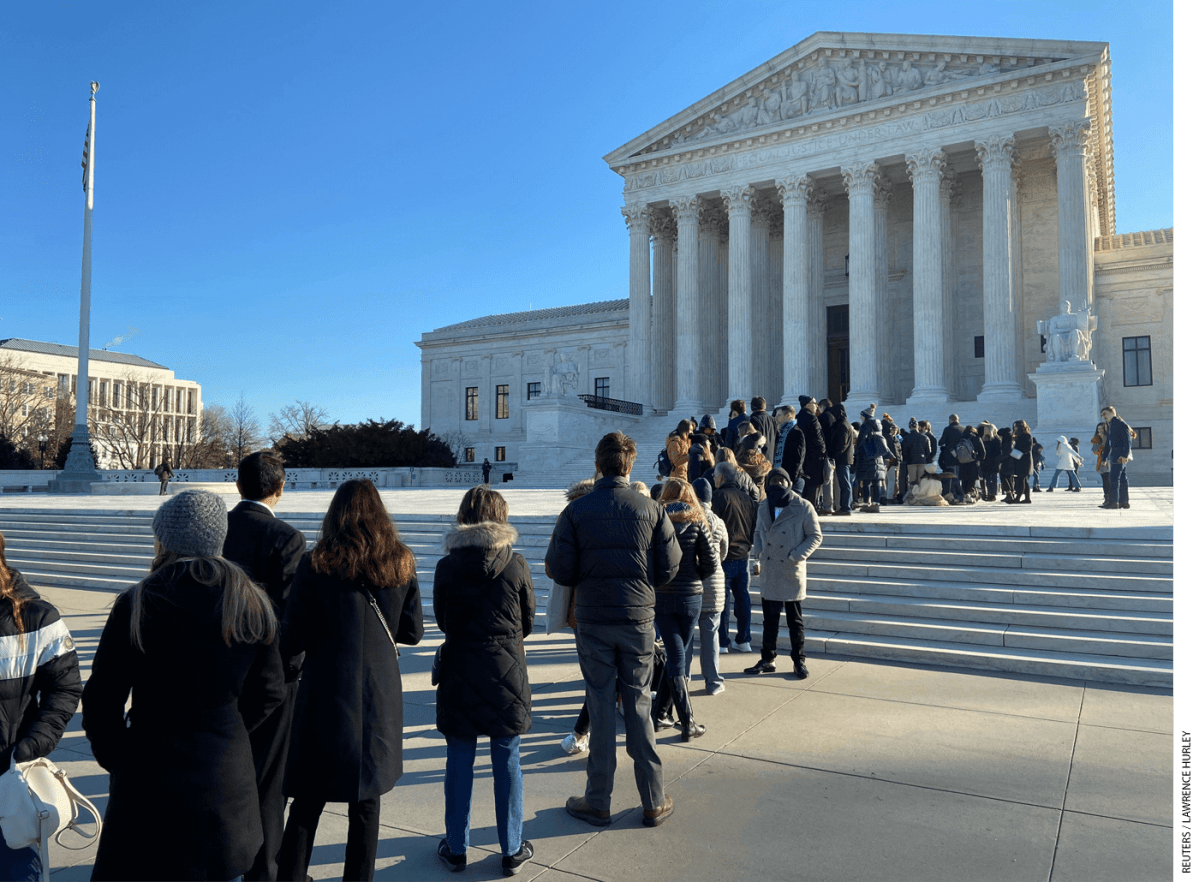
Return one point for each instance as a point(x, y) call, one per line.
point(19, 864)
point(844, 487)
point(736, 596)
point(507, 782)
point(619, 656)
point(709, 652)
point(1117, 480)
point(676, 616)
point(1071, 478)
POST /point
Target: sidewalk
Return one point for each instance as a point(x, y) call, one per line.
point(863, 771)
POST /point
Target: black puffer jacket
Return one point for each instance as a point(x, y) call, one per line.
point(700, 558)
point(917, 449)
point(815, 452)
point(949, 440)
point(840, 436)
point(40, 687)
point(993, 456)
point(614, 547)
point(483, 600)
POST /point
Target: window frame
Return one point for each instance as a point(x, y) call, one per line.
point(1136, 351)
point(607, 387)
point(1144, 433)
point(472, 403)
point(501, 453)
point(501, 398)
point(529, 391)
point(468, 454)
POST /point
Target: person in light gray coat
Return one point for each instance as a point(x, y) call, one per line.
point(786, 534)
point(713, 603)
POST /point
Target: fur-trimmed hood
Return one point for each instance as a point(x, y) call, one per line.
point(488, 534)
point(487, 546)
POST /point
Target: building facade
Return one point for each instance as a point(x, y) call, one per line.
point(899, 219)
point(139, 412)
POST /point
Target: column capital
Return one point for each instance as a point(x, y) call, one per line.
point(686, 209)
point(882, 191)
point(817, 203)
point(860, 176)
point(737, 200)
point(1070, 139)
point(637, 217)
point(795, 188)
point(761, 207)
point(662, 226)
point(775, 221)
point(995, 152)
point(926, 166)
point(712, 218)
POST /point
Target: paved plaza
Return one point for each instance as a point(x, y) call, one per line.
point(867, 770)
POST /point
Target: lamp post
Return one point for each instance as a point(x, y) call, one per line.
point(41, 446)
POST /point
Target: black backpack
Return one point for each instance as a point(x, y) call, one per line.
point(964, 452)
point(665, 466)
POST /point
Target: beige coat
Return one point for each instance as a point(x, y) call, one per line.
point(783, 547)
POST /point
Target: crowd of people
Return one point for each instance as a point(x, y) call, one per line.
point(840, 466)
point(245, 670)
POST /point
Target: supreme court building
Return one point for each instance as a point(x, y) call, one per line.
point(882, 218)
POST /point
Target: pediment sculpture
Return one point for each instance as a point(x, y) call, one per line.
point(1068, 335)
point(830, 84)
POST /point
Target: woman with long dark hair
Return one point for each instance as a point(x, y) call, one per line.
point(191, 642)
point(484, 603)
point(355, 596)
point(39, 690)
point(1022, 443)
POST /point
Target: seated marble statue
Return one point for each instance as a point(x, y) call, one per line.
point(1068, 335)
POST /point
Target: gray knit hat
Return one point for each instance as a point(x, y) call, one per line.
point(192, 523)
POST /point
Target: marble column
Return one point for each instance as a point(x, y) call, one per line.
point(1069, 144)
point(884, 344)
point(663, 236)
point(637, 218)
point(814, 279)
point(686, 213)
point(925, 168)
point(864, 383)
point(739, 330)
point(799, 307)
point(951, 195)
point(759, 261)
point(999, 329)
point(713, 307)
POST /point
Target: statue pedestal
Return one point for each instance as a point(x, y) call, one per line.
point(1069, 396)
point(558, 430)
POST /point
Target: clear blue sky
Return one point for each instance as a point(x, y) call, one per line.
point(288, 194)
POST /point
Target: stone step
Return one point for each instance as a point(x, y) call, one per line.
point(982, 634)
point(1014, 576)
point(1079, 666)
point(1012, 558)
point(1146, 621)
point(984, 542)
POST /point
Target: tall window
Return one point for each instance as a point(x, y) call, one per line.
point(501, 454)
point(501, 401)
point(472, 403)
point(533, 391)
point(602, 387)
point(469, 454)
point(1138, 365)
point(1144, 438)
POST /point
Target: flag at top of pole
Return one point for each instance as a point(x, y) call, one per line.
point(80, 472)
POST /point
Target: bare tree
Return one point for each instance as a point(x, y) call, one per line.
point(26, 401)
point(297, 420)
point(125, 429)
point(211, 451)
point(457, 442)
point(245, 430)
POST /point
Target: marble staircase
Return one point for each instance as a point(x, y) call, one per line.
point(1052, 601)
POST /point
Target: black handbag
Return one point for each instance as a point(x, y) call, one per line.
point(437, 665)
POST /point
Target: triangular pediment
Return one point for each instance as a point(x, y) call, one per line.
point(831, 74)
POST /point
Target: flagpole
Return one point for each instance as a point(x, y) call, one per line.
point(80, 472)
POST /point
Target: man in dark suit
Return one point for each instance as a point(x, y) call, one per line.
point(764, 423)
point(269, 550)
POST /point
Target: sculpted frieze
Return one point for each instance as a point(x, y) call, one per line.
point(813, 86)
point(912, 123)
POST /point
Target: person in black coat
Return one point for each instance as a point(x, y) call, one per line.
point(969, 471)
point(483, 600)
point(269, 550)
point(765, 424)
point(1022, 442)
point(950, 437)
point(794, 444)
point(39, 690)
point(355, 596)
point(840, 448)
point(739, 511)
point(815, 451)
point(992, 458)
point(192, 643)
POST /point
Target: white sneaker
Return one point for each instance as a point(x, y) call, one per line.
point(724, 650)
point(575, 743)
point(742, 647)
point(716, 690)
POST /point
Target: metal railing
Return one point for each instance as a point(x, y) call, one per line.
point(613, 404)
